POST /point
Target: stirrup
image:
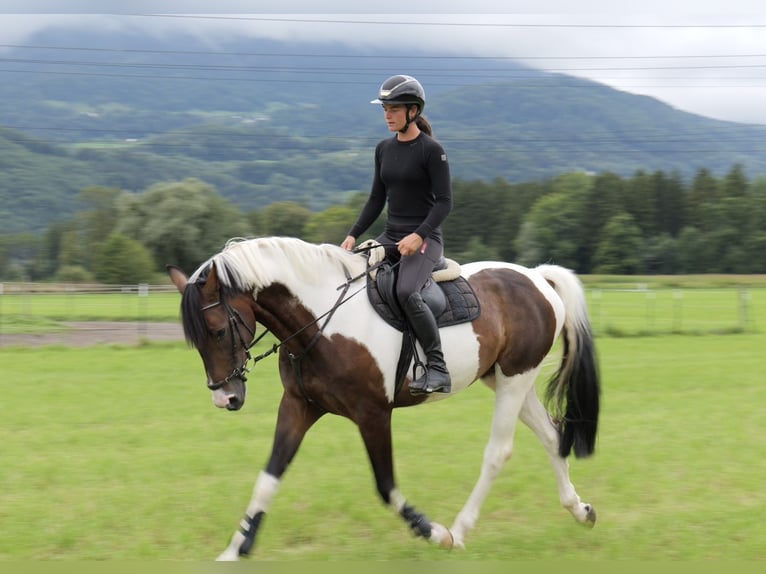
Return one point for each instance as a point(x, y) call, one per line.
point(422, 386)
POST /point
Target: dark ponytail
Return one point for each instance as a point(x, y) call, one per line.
point(424, 125)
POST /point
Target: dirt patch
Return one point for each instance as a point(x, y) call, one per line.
point(87, 333)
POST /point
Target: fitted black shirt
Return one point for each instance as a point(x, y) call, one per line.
point(414, 178)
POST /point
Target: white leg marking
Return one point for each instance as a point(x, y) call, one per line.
point(397, 500)
point(439, 534)
point(264, 491)
point(534, 415)
point(509, 398)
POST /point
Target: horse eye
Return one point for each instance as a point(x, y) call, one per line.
point(219, 334)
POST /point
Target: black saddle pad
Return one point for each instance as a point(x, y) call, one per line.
point(462, 303)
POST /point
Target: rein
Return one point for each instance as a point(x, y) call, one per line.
point(340, 301)
point(235, 318)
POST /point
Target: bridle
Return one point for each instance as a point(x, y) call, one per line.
point(235, 319)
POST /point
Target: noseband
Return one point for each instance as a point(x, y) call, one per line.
point(235, 319)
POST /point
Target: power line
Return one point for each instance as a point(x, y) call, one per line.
point(241, 18)
point(527, 84)
point(346, 70)
point(408, 57)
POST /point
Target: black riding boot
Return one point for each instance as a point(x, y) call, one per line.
point(436, 379)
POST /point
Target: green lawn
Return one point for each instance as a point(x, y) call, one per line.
point(617, 309)
point(116, 453)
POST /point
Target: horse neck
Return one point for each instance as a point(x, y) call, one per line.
point(283, 312)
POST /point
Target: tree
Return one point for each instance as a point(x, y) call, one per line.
point(514, 203)
point(703, 194)
point(330, 225)
point(477, 212)
point(619, 251)
point(641, 202)
point(660, 255)
point(557, 226)
point(5, 257)
point(181, 223)
point(735, 183)
point(98, 219)
point(670, 200)
point(476, 250)
point(528, 245)
point(693, 251)
point(46, 260)
point(605, 199)
point(122, 260)
point(284, 218)
point(73, 274)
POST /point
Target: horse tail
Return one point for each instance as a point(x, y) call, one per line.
point(574, 390)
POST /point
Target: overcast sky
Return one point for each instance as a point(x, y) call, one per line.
point(703, 56)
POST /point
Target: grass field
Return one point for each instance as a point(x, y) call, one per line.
point(116, 453)
point(618, 308)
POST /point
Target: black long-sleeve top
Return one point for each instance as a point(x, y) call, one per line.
point(414, 178)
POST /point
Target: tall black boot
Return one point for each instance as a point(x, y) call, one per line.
point(436, 379)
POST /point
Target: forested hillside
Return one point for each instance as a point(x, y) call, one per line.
point(97, 111)
point(648, 223)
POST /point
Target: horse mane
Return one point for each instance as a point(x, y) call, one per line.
point(249, 265)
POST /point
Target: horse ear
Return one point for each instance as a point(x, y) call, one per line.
point(212, 284)
point(178, 277)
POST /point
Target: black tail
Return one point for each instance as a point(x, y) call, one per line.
point(574, 390)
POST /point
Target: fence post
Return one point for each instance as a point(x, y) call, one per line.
point(651, 296)
point(678, 310)
point(744, 308)
point(143, 294)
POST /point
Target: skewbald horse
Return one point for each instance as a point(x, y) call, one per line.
point(336, 355)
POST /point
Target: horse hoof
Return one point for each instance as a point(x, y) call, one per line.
point(442, 536)
point(228, 555)
point(590, 518)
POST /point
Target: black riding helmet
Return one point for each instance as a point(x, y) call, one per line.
point(401, 89)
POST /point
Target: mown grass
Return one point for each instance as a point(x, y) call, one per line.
point(77, 306)
point(116, 453)
point(713, 305)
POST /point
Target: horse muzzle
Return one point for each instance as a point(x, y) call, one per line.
point(230, 396)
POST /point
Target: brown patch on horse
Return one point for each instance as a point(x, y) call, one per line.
point(517, 324)
point(350, 378)
point(339, 373)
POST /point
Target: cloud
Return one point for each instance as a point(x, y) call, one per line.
point(704, 56)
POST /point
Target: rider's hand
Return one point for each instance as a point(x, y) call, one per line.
point(410, 244)
point(348, 243)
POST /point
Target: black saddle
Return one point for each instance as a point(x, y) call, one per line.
point(452, 302)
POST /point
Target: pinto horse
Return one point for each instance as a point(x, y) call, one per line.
point(337, 355)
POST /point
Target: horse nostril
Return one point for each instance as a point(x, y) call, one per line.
point(233, 404)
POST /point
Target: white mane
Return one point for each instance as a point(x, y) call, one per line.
point(252, 264)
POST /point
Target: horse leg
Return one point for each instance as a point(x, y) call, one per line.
point(509, 398)
point(295, 418)
point(534, 415)
point(376, 434)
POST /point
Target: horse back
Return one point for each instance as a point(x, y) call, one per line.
point(518, 325)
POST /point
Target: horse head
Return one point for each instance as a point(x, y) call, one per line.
point(220, 323)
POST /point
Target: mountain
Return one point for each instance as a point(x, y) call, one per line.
point(264, 121)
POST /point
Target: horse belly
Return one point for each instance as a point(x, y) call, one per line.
point(460, 346)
